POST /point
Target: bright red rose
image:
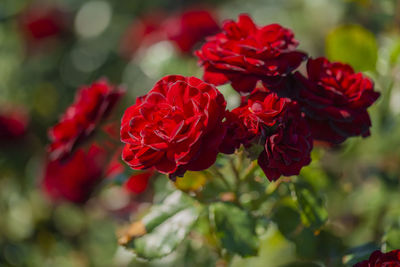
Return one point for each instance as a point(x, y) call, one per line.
point(13, 125)
point(244, 54)
point(138, 182)
point(379, 259)
point(75, 178)
point(288, 149)
point(176, 127)
point(92, 104)
point(190, 27)
point(335, 100)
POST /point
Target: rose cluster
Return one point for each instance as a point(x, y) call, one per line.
point(182, 123)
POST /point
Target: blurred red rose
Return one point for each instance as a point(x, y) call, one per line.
point(39, 22)
point(335, 100)
point(244, 54)
point(13, 124)
point(138, 182)
point(379, 259)
point(190, 27)
point(115, 166)
point(92, 105)
point(143, 31)
point(288, 149)
point(176, 127)
point(75, 178)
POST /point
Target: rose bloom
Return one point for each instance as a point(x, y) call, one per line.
point(75, 178)
point(335, 100)
point(13, 124)
point(175, 127)
point(244, 53)
point(255, 117)
point(379, 259)
point(92, 104)
point(288, 149)
point(236, 133)
point(190, 27)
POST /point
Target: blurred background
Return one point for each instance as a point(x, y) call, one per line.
point(48, 49)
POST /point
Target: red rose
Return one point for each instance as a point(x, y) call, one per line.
point(236, 132)
point(244, 54)
point(176, 127)
point(258, 113)
point(92, 104)
point(40, 22)
point(335, 100)
point(288, 149)
point(13, 124)
point(190, 27)
point(379, 259)
point(75, 178)
point(263, 109)
point(138, 182)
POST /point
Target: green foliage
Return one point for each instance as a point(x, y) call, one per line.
point(311, 206)
point(166, 226)
point(235, 228)
point(354, 45)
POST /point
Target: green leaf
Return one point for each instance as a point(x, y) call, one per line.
point(166, 236)
point(235, 229)
point(287, 219)
point(166, 226)
point(354, 45)
point(392, 239)
point(171, 205)
point(312, 207)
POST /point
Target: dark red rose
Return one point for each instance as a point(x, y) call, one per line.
point(92, 105)
point(288, 149)
point(190, 27)
point(75, 178)
point(13, 124)
point(40, 22)
point(236, 132)
point(138, 182)
point(379, 259)
point(335, 100)
point(143, 32)
point(263, 109)
point(176, 127)
point(244, 54)
point(258, 113)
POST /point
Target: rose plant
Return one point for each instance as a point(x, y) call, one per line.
point(217, 159)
